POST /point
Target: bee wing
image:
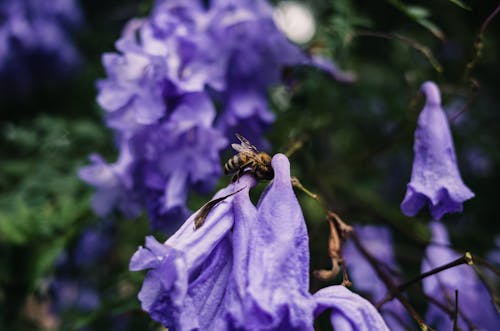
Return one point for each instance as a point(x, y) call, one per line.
point(245, 145)
point(240, 148)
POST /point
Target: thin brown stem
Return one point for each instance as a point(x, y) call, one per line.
point(450, 312)
point(455, 314)
point(488, 19)
point(389, 282)
point(424, 50)
point(478, 44)
point(296, 183)
point(465, 259)
point(297, 145)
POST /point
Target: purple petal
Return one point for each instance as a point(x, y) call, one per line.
point(349, 311)
point(186, 288)
point(331, 68)
point(278, 265)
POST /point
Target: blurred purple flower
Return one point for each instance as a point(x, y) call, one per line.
point(73, 294)
point(377, 240)
point(246, 268)
point(113, 183)
point(73, 286)
point(159, 97)
point(475, 302)
point(34, 41)
point(435, 178)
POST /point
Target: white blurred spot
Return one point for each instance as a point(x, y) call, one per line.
point(295, 20)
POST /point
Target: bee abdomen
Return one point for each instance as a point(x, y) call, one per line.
point(232, 165)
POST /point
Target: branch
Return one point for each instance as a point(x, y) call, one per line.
point(389, 283)
point(424, 50)
point(465, 259)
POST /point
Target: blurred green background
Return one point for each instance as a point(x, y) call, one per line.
point(356, 148)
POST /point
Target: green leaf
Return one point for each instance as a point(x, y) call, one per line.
point(460, 4)
point(419, 15)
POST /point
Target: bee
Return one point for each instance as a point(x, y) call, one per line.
point(249, 159)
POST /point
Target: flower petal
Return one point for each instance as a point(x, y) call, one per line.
point(349, 310)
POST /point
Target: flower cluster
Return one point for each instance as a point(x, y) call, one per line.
point(246, 268)
point(435, 179)
point(34, 41)
point(184, 81)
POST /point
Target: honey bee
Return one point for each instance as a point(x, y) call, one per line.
point(249, 159)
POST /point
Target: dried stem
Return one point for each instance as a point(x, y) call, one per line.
point(296, 183)
point(465, 259)
point(478, 44)
point(450, 312)
point(389, 282)
point(424, 50)
point(488, 19)
point(455, 314)
point(297, 145)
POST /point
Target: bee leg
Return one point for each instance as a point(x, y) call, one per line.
point(237, 175)
point(241, 171)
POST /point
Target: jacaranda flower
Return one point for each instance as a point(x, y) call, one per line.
point(34, 42)
point(476, 307)
point(378, 241)
point(172, 72)
point(245, 268)
point(113, 183)
point(435, 179)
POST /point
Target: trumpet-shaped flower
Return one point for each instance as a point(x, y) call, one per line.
point(472, 293)
point(245, 268)
point(435, 179)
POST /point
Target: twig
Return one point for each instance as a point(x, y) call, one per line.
point(455, 315)
point(450, 312)
point(424, 50)
point(389, 283)
point(465, 259)
point(297, 145)
point(478, 44)
point(296, 183)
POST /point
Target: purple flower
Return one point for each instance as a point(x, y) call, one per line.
point(160, 91)
point(475, 303)
point(435, 179)
point(34, 41)
point(246, 268)
point(378, 241)
point(113, 183)
point(349, 311)
point(73, 294)
point(73, 286)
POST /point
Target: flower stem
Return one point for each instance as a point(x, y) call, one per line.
point(389, 282)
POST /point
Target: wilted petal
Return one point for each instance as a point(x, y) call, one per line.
point(435, 178)
point(349, 311)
